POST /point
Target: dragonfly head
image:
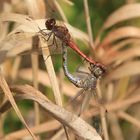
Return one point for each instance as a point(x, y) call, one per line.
point(97, 69)
point(50, 23)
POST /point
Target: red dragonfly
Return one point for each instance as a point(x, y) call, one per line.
point(63, 34)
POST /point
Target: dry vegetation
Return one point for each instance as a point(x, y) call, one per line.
point(117, 45)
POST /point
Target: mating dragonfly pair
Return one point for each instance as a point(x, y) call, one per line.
point(61, 32)
point(88, 82)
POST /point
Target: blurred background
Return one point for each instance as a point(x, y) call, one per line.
point(115, 27)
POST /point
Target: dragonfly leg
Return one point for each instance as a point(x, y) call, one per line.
point(54, 43)
point(42, 31)
point(43, 36)
point(49, 35)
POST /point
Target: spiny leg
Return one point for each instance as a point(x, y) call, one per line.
point(43, 34)
point(49, 35)
point(53, 44)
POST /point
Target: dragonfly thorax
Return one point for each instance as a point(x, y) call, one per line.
point(62, 33)
point(96, 70)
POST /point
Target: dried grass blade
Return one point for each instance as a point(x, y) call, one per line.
point(123, 56)
point(42, 128)
point(111, 49)
point(121, 33)
point(79, 127)
point(14, 44)
point(36, 8)
point(8, 94)
point(26, 74)
point(35, 67)
point(69, 2)
point(124, 13)
point(91, 41)
point(129, 118)
point(60, 10)
point(115, 127)
point(19, 18)
point(104, 123)
point(51, 73)
point(128, 69)
point(116, 105)
point(15, 68)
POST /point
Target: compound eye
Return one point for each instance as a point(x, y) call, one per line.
point(50, 23)
point(98, 72)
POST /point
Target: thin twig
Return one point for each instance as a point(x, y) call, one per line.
point(53, 79)
point(34, 59)
point(84, 130)
point(60, 10)
point(91, 41)
point(116, 105)
point(15, 68)
point(102, 112)
point(45, 127)
point(129, 118)
point(104, 123)
point(10, 97)
point(115, 126)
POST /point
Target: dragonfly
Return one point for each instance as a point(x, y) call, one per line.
point(96, 71)
point(88, 82)
point(62, 33)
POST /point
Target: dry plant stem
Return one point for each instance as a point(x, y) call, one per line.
point(15, 68)
point(9, 96)
point(104, 123)
point(129, 118)
point(115, 127)
point(41, 128)
point(1, 126)
point(51, 73)
point(58, 135)
point(60, 10)
point(36, 9)
point(52, 77)
point(26, 74)
point(68, 2)
point(79, 127)
point(102, 114)
point(117, 105)
point(91, 42)
point(122, 87)
point(34, 60)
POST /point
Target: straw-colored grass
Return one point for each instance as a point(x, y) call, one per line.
point(116, 46)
